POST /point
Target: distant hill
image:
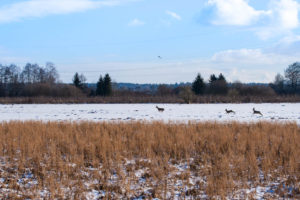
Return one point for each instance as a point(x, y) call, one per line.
point(153, 87)
point(139, 87)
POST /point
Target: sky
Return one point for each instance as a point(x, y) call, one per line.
point(246, 40)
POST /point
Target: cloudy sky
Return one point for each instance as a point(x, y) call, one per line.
point(247, 40)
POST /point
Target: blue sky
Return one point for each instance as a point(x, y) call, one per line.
point(247, 40)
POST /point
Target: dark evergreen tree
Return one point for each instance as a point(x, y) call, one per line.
point(100, 87)
point(107, 85)
point(222, 85)
point(212, 78)
point(198, 86)
point(76, 80)
point(221, 78)
point(218, 85)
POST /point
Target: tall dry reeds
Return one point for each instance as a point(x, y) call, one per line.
point(147, 98)
point(62, 157)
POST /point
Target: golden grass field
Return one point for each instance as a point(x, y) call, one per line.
point(67, 160)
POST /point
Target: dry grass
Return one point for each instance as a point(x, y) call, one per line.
point(130, 98)
point(127, 160)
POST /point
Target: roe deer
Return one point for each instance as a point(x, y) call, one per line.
point(160, 109)
point(229, 111)
point(257, 112)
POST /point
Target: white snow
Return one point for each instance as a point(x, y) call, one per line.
point(281, 112)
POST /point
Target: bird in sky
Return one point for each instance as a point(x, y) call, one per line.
point(159, 57)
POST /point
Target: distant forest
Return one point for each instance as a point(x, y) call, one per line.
point(40, 84)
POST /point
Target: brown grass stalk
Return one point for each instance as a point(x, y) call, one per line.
point(64, 156)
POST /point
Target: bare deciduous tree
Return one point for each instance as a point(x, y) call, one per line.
point(278, 85)
point(292, 73)
point(51, 73)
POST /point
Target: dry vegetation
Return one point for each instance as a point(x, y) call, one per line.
point(146, 98)
point(147, 160)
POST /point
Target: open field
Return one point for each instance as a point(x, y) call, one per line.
point(279, 112)
point(149, 160)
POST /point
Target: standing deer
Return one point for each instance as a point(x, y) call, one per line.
point(160, 109)
point(257, 112)
point(229, 111)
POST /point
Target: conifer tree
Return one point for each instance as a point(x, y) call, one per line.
point(76, 80)
point(221, 78)
point(107, 85)
point(218, 86)
point(212, 78)
point(100, 87)
point(198, 86)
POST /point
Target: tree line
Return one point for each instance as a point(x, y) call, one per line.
point(289, 83)
point(32, 80)
point(103, 86)
point(35, 80)
point(282, 85)
point(216, 85)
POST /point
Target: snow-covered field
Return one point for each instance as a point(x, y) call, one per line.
point(281, 112)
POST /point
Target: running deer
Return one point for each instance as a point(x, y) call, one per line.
point(160, 109)
point(229, 111)
point(257, 112)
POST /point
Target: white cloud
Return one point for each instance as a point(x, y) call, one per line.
point(252, 65)
point(235, 12)
point(40, 8)
point(284, 19)
point(173, 14)
point(290, 39)
point(281, 18)
point(136, 22)
point(288, 45)
point(287, 13)
point(254, 57)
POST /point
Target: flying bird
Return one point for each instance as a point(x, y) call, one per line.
point(159, 57)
